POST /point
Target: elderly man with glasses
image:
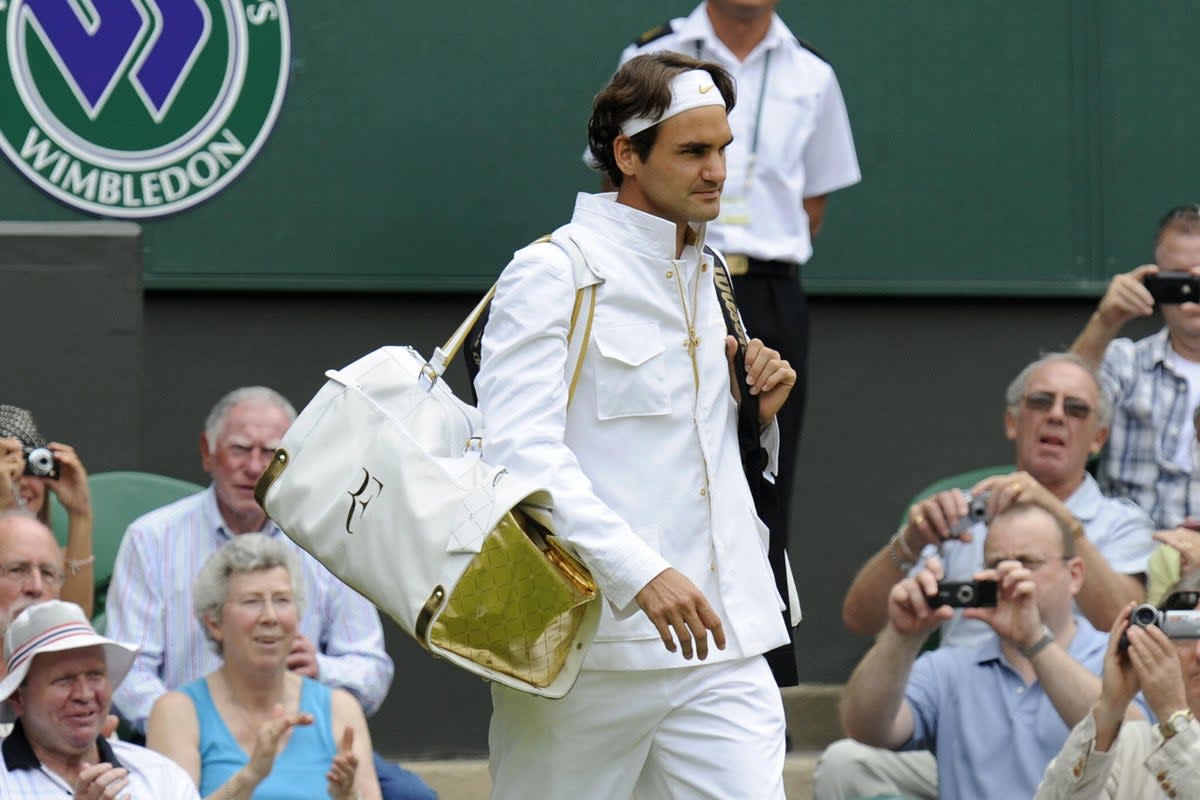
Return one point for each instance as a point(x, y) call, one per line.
point(1057, 417)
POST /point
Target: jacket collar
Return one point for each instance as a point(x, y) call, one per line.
point(645, 233)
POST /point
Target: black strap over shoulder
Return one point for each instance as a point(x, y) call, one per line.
point(782, 660)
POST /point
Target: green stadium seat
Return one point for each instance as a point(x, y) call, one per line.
point(118, 498)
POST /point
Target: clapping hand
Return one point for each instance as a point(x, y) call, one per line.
point(266, 745)
point(345, 767)
point(101, 782)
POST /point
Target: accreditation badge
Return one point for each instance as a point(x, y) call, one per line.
point(735, 202)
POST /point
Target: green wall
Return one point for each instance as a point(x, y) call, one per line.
point(1016, 148)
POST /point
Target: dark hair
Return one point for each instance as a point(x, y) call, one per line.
point(642, 88)
point(1181, 219)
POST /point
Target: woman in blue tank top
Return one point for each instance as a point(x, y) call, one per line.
point(252, 728)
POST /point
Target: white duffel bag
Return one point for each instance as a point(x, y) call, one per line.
point(380, 479)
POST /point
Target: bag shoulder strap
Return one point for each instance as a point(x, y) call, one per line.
point(585, 278)
point(753, 460)
point(586, 281)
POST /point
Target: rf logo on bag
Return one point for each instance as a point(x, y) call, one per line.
point(360, 498)
point(139, 108)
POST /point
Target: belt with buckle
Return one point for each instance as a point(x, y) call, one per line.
point(757, 268)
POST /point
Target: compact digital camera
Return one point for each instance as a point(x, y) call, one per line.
point(976, 512)
point(1175, 624)
point(965, 594)
point(41, 463)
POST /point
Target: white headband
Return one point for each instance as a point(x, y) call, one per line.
point(689, 90)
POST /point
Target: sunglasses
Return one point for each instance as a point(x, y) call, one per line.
point(1044, 401)
point(1180, 601)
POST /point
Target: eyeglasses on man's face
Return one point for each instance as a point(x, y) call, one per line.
point(1072, 406)
point(21, 572)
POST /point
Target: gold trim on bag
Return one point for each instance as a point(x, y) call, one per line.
point(426, 616)
point(274, 470)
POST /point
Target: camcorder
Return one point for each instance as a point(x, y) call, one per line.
point(976, 512)
point(1181, 624)
point(964, 594)
point(41, 463)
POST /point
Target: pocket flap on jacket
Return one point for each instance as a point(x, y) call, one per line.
point(633, 344)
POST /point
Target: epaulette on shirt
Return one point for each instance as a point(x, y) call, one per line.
point(655, 33)
point(811, 49)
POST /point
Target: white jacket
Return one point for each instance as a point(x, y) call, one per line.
point(644, 465)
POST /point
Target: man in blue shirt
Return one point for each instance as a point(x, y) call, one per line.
point(995, 715)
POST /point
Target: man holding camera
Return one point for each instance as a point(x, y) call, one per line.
point(1154, 383)
point(1056, 417)
point(994, 714)
point(1108, 758)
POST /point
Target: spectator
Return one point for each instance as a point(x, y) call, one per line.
point(1153, 384)
point(1052, 445)
point(248, 600)
point(1177, 555)
point(997, 713)
point(19, 432)
point(1056, 417)
point(340, 639)
point(1106, 757)
point(59, 685)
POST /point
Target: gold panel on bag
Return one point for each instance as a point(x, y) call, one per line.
point(518, 605)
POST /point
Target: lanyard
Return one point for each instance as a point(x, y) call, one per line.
point(758, 113)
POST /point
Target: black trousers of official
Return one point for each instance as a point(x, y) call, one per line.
point(775, 309)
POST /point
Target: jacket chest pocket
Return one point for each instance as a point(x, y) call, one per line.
point(631, 372)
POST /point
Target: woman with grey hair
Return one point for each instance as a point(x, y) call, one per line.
point(252, 728)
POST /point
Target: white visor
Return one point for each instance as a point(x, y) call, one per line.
point(692, 89)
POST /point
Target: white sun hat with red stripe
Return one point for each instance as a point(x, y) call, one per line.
point(51, 627)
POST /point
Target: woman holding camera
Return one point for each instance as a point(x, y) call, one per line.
point(29, 492)
point(1107, 758)
point(253, 728)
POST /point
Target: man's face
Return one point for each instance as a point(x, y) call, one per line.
point(1053, 444)
point(64, 700)
point(1179, 252)
point(1032, 537)
point(243, 449)
point(30, 567)
point(683, 174)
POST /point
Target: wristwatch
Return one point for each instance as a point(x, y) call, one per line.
point(1040, 645)
point(1175, 723)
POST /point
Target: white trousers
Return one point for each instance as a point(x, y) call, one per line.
point(712, 731)
point(850, 770)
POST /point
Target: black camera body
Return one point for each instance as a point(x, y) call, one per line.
point(976, 512)
point(965, 594)
point(1175, 624)
point(40, 463)
point(1173, 287)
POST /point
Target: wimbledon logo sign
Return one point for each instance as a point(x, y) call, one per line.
point(139, 108)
